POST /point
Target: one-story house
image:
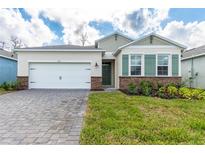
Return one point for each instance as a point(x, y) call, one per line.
point(113, 62)
point(193, 72)
point(8, 66)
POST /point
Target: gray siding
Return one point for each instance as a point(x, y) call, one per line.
point(155, 41)
point(111, 45)
point(198, 67)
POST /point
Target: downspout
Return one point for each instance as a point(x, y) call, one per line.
point(192, 73)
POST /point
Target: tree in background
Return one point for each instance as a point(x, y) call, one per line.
point(16, 42)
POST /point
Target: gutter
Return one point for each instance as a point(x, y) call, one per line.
point(8, 58)
point(70, 50)
point(194, 56)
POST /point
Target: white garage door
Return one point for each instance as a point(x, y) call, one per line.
point(59, 76)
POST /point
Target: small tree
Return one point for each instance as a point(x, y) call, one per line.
point(16, 42)
point(2, 44)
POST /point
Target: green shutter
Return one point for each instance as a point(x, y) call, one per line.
point(125, 64)
point(175, 65)
point(150, 65)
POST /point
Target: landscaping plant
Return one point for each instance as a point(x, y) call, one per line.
point(132, 88)
point(146, 88)
point(9, 86)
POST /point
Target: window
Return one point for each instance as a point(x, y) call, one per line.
point(162, 67)
point(135, 65)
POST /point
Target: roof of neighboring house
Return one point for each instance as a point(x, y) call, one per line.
point(8, 55)
point(195, 52)
point(151, 34)
point(60, 48)
point(115, 33)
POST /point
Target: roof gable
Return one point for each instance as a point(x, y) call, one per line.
point(151, 39)
point(114, 33)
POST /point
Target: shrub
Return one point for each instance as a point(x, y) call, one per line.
point(198, 94)
point(5, 86)
point(162, 92)
point(10, 85)
point(132, 88)
point(189, 93)
point(202, 95)
point(168, 91)
point(159, 85)
point(185, 92)
point(172, 91)
point(146, 88)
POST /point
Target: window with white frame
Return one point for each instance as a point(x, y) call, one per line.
point(135, 64)
point(162, 64)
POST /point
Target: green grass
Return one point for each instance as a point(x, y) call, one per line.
point(2, 91)
point(115, 118)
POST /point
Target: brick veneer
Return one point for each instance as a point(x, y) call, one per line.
point(96, 83)
point(23, 82)
point(124, 81)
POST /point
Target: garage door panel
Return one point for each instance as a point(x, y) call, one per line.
point(52, 75)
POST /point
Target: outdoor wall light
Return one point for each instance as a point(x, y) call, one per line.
point(96, 65)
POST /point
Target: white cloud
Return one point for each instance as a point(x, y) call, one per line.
point(133, 22)
point(76, 21)
point(191, 34)
point(141, 21)
point(32, 33)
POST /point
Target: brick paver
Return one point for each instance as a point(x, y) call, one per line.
point(42, 116)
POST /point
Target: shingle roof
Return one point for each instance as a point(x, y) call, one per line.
point(8, 54)
point(194, 52)
point(63, 47)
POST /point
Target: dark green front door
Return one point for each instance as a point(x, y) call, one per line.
point(106, 73)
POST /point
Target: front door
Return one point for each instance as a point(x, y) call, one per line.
point(106, 73)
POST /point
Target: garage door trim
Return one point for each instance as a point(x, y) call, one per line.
point(59, 62)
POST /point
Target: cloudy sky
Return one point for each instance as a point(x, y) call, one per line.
point(37, 27)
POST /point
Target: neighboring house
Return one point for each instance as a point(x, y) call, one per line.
point(8, 66)
point(114, 61)
point(193, 63)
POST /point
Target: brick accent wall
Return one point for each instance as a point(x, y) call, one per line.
point(23, 82)
point(96, 83)
point(124, 81)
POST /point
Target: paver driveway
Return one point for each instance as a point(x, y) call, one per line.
point(42, 116)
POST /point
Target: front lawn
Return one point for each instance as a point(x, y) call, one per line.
point(2, 91)
point(115, 118)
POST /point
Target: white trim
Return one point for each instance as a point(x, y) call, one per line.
point(142, 65)
point(180, 63)
point(57, 61)
point(151, 47)
point(118, 33)
point(67, 62)
point(57, 50)
point(156, 68)
point(149, 52)
point(130, 65)
point(8, 58)
point(168, 65)
point(193, 56)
